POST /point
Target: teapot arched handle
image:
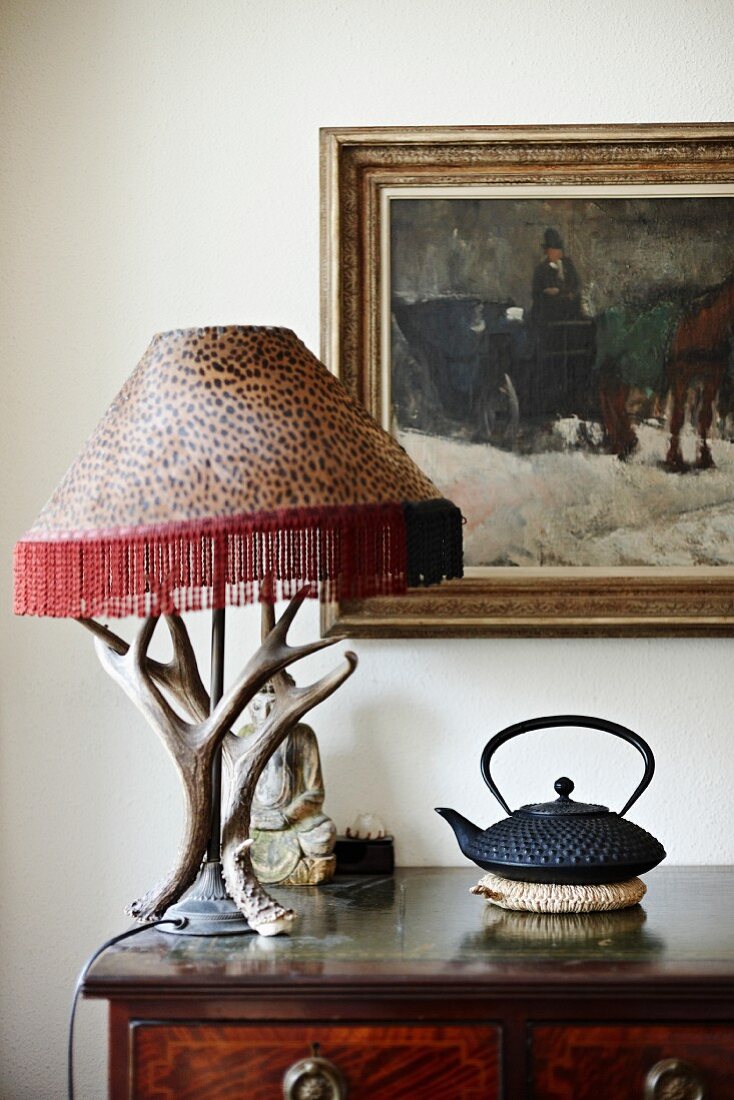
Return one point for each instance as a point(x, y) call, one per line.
point(554, 721)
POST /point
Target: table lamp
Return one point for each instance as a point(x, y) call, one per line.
point(231, 467)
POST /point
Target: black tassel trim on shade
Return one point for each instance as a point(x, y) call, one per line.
point(434, 537)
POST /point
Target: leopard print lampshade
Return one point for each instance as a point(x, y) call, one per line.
point(232, 464)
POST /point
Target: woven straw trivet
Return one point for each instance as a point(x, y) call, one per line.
point(546, 897)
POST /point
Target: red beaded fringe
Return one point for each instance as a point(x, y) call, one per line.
point(341, 552)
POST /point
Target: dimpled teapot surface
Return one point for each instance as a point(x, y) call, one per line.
point(561, 841)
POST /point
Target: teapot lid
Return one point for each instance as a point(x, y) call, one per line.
point(563, 806)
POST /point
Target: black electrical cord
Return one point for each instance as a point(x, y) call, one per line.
point(178, 922)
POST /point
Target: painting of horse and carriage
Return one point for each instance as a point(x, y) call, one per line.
point(562, 368)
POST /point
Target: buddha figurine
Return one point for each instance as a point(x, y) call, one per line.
point(293, 839)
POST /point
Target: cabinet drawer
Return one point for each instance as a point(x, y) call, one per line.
point(190, 1060)
point(607, 1063)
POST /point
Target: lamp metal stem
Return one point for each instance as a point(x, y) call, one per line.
point(214, 848)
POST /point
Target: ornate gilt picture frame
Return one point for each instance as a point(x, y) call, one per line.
point(543, 317)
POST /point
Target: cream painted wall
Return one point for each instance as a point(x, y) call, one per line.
point(160, 168)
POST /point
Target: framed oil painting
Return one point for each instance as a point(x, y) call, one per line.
point(543, 318)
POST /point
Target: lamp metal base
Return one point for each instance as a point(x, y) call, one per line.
point(207, 907)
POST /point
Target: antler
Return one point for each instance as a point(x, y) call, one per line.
point(180, 675)
point(192, 744)
point(246, 758)
point(191, 754)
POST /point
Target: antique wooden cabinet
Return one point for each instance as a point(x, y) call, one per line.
point(408, 986)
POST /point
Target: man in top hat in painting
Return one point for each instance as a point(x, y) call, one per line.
point(556, 285)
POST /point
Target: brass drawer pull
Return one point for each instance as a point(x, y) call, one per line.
point(314, 1078)
point(672, 1079)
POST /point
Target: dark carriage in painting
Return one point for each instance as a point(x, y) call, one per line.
point(467, 367)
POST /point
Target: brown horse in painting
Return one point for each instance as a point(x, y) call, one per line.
point(699, 355)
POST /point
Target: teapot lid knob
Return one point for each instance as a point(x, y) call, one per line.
point(564, 786)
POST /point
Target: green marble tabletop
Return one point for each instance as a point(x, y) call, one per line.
point(424, 923)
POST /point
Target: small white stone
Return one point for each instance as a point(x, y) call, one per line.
point(281, 926)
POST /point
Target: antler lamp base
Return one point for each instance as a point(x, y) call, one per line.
point(212, 883)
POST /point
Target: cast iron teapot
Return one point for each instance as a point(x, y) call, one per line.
point(561, 841)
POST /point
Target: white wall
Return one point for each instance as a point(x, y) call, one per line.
point(160, 169)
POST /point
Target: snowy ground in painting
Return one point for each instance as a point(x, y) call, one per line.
point(579, 507)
